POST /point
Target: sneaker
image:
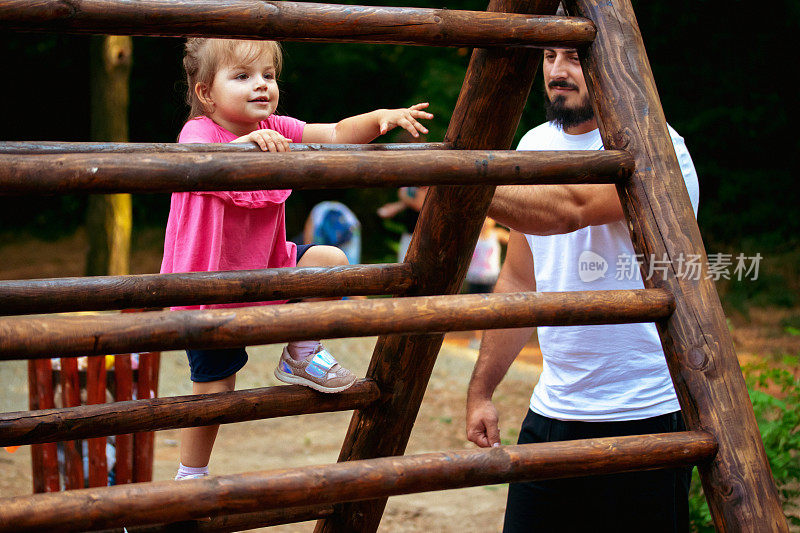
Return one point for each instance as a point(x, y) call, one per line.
point(320, 372)
point(193, 476)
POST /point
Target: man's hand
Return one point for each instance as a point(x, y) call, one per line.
point(482, 428)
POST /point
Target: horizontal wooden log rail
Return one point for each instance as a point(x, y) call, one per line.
point(29, 337)
point(56, 295)
point(165, 501)
point(295, 21)
point(154, 414)
point(240, 522)
point(53, 147)
point(169, 172)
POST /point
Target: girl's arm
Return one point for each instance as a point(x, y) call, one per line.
point(414, 202)
point(362, 129)
point(391, 209)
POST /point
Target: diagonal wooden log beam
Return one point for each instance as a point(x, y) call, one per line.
point(486, 116)
point(293, 21)
point(699, 349)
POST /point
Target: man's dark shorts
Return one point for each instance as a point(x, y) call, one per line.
point(652, 501)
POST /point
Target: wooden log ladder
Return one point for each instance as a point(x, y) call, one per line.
point(350, 496)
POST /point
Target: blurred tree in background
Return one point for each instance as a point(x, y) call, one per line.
point(718, 67)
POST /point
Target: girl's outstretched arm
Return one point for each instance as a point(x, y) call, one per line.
point(364, 128)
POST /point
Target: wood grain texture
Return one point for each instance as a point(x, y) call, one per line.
point(487, 112)
point(152, 414)
point(171, 172)
point(57, 295)
point(123, 391)
point(54, 147)
point(31, 337)
point(96, 395)
point(71, 397)
point(696, 340)
point(165, 501)
point(44, 457)
point(144, 442)
point(293, 21)
point(241, 522)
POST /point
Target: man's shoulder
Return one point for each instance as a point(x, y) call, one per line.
point(535, 138)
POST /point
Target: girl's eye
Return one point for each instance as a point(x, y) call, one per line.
point(241, 76)
point(269, 76)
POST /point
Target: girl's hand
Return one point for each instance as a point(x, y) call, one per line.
point(405, 118)
point(267, 140)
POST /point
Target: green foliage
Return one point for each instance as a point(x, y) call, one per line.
point(776, 285)
point(791, 325)
point(767, 290)
point(778, 417)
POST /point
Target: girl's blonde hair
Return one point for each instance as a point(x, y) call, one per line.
point(204, 57)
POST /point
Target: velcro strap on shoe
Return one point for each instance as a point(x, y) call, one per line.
point(321, 363)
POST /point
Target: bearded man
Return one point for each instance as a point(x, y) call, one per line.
point(596, 381)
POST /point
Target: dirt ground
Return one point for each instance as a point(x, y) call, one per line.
point(316, 439)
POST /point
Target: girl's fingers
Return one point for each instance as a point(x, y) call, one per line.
point(422, 105)
point(409, 126)
point(421, 114)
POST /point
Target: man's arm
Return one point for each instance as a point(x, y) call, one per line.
point(555, 209)
point(499, 347)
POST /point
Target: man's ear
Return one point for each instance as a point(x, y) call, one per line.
point(203, 93)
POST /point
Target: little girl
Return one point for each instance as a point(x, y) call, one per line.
point(233, 93)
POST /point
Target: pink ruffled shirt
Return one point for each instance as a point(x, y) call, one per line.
point(229, 230)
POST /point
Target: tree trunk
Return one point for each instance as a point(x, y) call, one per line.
point(109, 217)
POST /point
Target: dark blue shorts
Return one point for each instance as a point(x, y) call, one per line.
point(214, 365)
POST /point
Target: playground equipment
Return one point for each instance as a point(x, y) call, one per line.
point(351, 495)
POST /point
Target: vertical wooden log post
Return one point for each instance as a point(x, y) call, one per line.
point(44, 457)
point(96, 394)
point(146, 387)
point(71, 397)
point(123, 391)
point(704, 367)
point(109, 217)
point(486, 116)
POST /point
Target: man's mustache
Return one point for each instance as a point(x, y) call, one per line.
point(563, 84)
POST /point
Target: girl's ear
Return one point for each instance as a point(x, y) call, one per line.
point(203, 93)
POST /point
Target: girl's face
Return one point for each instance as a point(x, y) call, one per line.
point(242, 95)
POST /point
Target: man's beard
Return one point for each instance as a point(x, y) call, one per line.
point(567, 117)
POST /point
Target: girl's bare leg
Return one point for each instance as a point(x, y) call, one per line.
point(315, 256)
point(197, 443)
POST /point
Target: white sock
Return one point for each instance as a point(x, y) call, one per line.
point(302, 350)
point(186, 471)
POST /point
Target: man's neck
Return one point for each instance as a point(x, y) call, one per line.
point(583, 127)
